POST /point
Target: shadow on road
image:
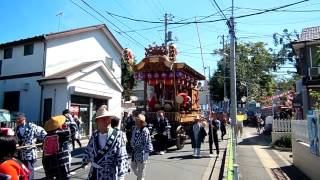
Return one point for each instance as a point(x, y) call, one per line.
point(186, 157)
point(262, 140)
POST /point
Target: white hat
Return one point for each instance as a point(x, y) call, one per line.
point(103, 112)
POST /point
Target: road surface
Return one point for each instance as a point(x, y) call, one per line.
point(174, 165)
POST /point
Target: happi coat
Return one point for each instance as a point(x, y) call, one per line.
point(113, 164)
point(31, 134)
point(141, 144)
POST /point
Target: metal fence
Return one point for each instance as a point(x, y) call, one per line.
point(300, 130)
point(281, 125)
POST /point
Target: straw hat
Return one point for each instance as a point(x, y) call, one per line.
point(54, 123)
point(103, 112)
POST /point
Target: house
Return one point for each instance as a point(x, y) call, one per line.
point(307, 50)
point(78, 69)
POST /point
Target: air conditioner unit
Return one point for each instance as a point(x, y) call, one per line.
point(315, 71)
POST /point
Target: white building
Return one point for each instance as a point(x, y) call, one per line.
point(79, 69)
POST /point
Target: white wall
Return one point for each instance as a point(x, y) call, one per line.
point(308, 163)
point(29, 99)
point(97, 81)
point(63, 53)
point(20, 64)
point(60, 97)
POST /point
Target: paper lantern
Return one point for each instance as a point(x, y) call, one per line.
point(171, 75)
point(164, 75)
point(156, 75)
point(153, 82)
point(179, 74)
point(149, 75)
point(168, 82)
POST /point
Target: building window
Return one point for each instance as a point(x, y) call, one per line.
point(315, 56)
point(109, 63)
point(28, 49)
point(11, 100)
point(7, 53)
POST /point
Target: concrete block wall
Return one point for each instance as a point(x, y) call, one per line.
point(308, 163)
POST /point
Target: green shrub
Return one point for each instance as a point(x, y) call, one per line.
point(284, 141)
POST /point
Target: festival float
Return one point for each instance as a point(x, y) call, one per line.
point(175, 89)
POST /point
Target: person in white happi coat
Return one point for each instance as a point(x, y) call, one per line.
point(141, 147)
point(106, 150)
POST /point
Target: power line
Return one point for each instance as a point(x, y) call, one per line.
point(96, 11)
point(211, 21)
point(221, 12)
point(87, 12)
point(272, 9)
point(130, 28)
point(284, 10)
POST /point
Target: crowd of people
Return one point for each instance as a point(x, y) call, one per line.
point(107, 149)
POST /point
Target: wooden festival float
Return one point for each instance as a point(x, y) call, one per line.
point(174, 89)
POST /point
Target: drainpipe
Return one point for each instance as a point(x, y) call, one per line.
point(43, 74)
point(41, 97)
point(304, 90)
point(90, 116)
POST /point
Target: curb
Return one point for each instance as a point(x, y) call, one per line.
point(229, 162)
point(211, 172)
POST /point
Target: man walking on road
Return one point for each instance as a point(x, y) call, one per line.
point(213, 133)
point(162, 127)
point(27, 134)
point(141, 147)
point(106, 150)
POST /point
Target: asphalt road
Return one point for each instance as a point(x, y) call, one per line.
point(174, 165)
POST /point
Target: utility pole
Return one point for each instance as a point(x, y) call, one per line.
point(233, 90)
point(167, 18)
point(224, 69)
point(233, 75)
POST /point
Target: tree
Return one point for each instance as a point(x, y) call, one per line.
point(253, 72)
point(127, 80)
point(285, 53)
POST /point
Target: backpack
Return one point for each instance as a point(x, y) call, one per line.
point(51, 145)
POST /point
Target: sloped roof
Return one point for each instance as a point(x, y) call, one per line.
point(42, 37)
point(309, 34)
point(65, 73)
point(77, 71)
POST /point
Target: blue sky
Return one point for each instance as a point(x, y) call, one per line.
point(21, 19)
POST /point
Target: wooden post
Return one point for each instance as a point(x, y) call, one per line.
point(145, 88)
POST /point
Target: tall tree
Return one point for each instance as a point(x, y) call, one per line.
point(254, 79)
point(285, 53)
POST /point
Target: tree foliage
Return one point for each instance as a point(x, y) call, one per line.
point(285, 53)
point(253, 64)
point(127, 80)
